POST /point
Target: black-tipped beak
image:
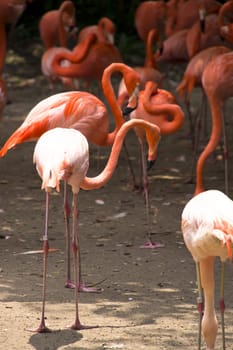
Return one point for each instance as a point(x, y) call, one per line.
point(150, 164)
point(202, 25)
point(127, 110)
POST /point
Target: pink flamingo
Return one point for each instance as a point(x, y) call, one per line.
point(62, 155)
point(207, 226)
point(105, 31)
point(56, 26)
point(82, 111)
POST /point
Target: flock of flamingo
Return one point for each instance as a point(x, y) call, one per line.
point(196, 33)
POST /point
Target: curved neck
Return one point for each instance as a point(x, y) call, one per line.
point(111, 97)
point(150, 60)
point(61, 29)
point(216, 132)
point(76, 56)
point(152, 136)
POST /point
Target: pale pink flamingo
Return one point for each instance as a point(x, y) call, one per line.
point(62, 155)
point(79, 110)
point(207, 226)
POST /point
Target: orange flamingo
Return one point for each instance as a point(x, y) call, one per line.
point(158, 107)
point(105, 30)
point(79, 110)
point(192, 78)
point(218, 88)
point(10, 12)
point(56, 26)
point(62, 154)
point(207, 226)
point(149, 15)
point(80, 52)
point(148, 72)
point(99, 56)
point(183, 14)
point(225, 21)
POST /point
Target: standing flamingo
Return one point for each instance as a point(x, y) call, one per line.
point(79, 110)
point(158, 107)
point(62, 154)
point(56, 26)
point(218, 88)
point(207, 226)
point(192, 78)
point(105, 30)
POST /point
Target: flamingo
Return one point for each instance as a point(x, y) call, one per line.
point(147, 72)
point(149, 15)
point(207, 227)
point(62, 155)
point(184, 14)
point(99, 56)
point(192, 78)
point(80, 51)
point(56, 26)
point(225, 21)
point(218, 88)
point(158, 107)
point(79, 110)
point(10, 12)
point(105, 30)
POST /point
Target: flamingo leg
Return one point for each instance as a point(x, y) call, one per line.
point(42, 327)
point(200, 304)
point(68, 283)
point(131, 171)
point(225, 155)
point(149, 244)
point(222, 304)
point(75, 247)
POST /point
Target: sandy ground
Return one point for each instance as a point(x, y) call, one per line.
point(149, 295)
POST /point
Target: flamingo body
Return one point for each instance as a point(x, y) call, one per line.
point(207, 226)
point(105, 31)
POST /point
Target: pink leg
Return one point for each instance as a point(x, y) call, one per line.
point(69, 284)
point(42, 327)
point(149, 244)
point(75, 246)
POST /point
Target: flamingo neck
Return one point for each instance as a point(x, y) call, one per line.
point(216, 107)
point(111, 98)
point(100, 180)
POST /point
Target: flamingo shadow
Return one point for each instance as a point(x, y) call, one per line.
point(54, 340)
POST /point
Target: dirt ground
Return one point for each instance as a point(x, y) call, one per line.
point(149, 295)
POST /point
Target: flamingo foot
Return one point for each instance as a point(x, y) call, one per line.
point(78, 326)
point(83, 288)
point(151, 245)
point(41, 329)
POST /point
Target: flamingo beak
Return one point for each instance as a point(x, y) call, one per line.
point(150, 164)
point(202, 15)
point(132, 103)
